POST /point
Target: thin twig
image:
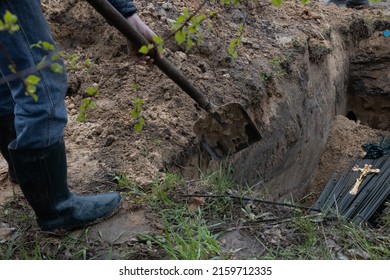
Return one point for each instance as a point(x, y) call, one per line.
point(251, 199)
point(20, 75)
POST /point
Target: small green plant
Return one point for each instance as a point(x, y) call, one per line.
point(277, 3)
point(265, 76)
point(219, 178)
point(232, 48)
point(87, 103)
point(276, 72)
point(72, 60)
point(122, 180)
point(136, 114)
point(162, 188)
point(299, 43)
point(230, 2)
point(277, 69)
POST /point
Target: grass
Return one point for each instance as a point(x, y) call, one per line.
point(189, 239)
point(191, 227)
point(327, 240)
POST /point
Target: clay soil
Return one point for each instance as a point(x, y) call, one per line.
point(106, 144)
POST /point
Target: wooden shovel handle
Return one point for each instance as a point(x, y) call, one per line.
point(114, 18)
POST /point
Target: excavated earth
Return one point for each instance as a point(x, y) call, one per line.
point(300, 70)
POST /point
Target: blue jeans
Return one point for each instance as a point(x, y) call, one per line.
point(38, 124)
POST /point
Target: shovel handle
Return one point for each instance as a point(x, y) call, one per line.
point(114, 18)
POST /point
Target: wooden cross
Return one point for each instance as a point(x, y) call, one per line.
point(364, 172)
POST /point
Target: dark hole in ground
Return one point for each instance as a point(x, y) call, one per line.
point(352, 116)
point(369, 87)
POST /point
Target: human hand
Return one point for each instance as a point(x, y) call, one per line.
point(145, 31)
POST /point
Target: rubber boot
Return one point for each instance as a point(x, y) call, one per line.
point(338, 2)
point(7, 135)
point(351, 3)
point(357, 4)
point(42, 176)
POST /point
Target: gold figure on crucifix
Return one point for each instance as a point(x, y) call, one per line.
point(364, 172)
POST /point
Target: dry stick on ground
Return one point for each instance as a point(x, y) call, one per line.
point(251, 199)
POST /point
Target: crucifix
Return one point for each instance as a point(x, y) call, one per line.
point(364, 172)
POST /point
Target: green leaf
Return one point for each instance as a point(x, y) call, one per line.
point(32, 79)
point(186, 12)
point(92, 105)
point(135, 86)
point(56, 67)
point(92, 91)
point(180, 36)
point(48, 47)
point(57, 55)
point(138, 101)
point(157, 39)
point(277, 3)
point(30, 89)
point(143, 50)
point(81, 117)
point(134, 114)
point(139, 125)
point(10, 17)
point(88, 62)
point(190, 43)
point(192, 29)
point(180, 19)
point(12, 68)
point(9, 23)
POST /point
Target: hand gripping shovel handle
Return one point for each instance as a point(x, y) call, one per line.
point(114, 18)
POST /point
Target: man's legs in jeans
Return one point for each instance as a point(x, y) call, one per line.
point(38, 124)
point(38, 152)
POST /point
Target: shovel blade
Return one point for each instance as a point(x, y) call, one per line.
point(226, 131)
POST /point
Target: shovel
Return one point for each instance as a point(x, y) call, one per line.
point(225, 130)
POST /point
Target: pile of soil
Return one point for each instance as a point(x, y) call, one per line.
point(345, 142)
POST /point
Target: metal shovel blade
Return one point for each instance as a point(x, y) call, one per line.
point(226, 131)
